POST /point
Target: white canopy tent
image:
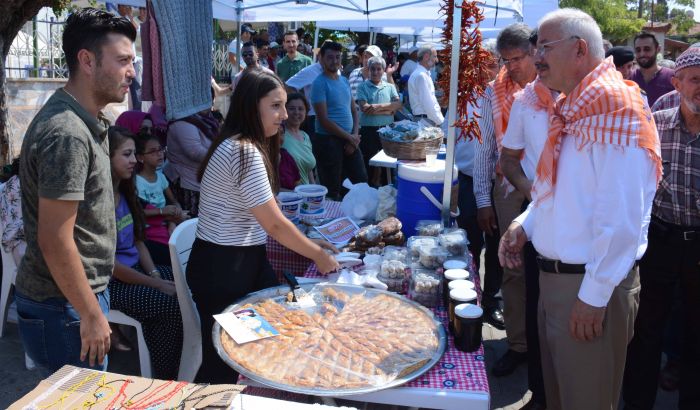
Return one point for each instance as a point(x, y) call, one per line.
point(405, 14)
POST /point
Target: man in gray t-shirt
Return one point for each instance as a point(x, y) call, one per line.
point(337, 136)
point(68, 200)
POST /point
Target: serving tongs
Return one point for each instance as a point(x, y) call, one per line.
point(299, 295)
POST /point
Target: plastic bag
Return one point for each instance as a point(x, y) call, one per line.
point(361, 202)
point(387, 203)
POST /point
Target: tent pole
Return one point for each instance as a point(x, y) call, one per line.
point(316, 33)
point(452, 112)
point(239, 11)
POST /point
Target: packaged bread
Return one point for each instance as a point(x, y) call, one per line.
point(390, 226)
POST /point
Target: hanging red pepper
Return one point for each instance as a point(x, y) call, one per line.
point(472, 78)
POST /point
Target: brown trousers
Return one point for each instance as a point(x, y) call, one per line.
point(584, 375)
point(508, 207)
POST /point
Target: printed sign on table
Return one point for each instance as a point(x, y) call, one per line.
point(245, 325)
point(338, 231)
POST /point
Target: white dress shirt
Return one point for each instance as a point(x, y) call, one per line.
point(421, 94)
point(598, 215)
point(527, 130)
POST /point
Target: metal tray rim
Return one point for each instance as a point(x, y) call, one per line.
point(282, 290)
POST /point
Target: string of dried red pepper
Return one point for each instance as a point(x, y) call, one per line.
point(473, 63)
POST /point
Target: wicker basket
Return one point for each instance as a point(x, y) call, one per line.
point(408, 150)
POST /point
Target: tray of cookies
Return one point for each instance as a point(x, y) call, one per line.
point(354, 340)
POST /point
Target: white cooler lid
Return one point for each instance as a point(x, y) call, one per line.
point(421, 172)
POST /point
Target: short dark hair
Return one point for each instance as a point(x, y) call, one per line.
point(646, 34)
point(248, 44)
point(515, 36)
point(245, 120)
point(88, 29)
point(331, 45)
point(289, 33)
point(361, 49)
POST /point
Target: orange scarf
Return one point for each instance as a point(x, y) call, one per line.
point(504, 89)
point(603, 109)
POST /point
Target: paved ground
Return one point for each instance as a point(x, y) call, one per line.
point(508, 393)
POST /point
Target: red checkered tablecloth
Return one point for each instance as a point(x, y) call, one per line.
point(456, 371)
point(282, 258)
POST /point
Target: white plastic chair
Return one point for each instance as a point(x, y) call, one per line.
point(180, 244)
point(115, 316)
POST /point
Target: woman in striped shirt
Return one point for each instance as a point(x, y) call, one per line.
point(238, 210)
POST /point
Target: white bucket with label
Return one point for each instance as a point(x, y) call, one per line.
point(313, 196)
point(290, 204)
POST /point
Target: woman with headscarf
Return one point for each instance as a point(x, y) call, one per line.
point(189, 140)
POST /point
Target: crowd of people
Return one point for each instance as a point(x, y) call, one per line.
point(593, 195)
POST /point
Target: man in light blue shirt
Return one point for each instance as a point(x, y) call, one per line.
point(337, 139)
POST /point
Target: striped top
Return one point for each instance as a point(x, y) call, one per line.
point(226, 198)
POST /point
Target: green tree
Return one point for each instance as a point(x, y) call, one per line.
point(616, 20)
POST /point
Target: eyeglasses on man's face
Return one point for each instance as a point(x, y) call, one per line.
point(514, 60)
point(544, 48)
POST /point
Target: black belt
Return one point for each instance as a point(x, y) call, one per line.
point(555, 266)
point(671, 231)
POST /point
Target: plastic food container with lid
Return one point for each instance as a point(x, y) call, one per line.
point(290, 204)
point(424, 287)
point(459, 296)
point(313, 196)
point(467, 327)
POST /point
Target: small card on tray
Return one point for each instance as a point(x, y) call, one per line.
point(245, 325)
point(338, 231)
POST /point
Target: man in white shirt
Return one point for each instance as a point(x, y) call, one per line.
point(249, 53)
point(421, 90)
point(589, 215)
point(247, 33)
point(522, 145)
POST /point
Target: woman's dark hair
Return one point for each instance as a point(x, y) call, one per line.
point(297, 96)
point(127, 187)
point(88, 29)
point(243, 123)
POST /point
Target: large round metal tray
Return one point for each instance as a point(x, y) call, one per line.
point(279, 294)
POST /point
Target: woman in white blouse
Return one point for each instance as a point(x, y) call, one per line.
point(238, 210)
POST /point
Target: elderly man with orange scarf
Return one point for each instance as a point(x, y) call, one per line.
point(513, 44)
point(590, 211)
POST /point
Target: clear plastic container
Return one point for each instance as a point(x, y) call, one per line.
point(416, 242)
point(395, 253)
point(455, 241)
point(425, 287)
point(393, 274)
point(432, 257)
point(428, 227)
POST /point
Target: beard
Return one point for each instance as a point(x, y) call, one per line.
point(690, 105)
point(108, 91)
point(647, 63)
